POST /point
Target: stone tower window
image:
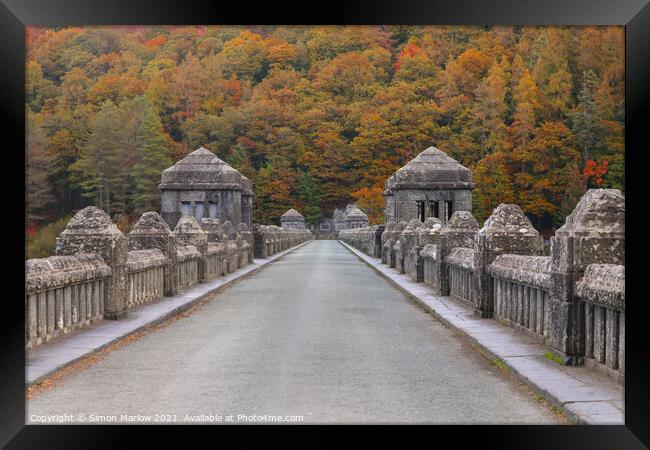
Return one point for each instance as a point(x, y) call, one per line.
point(199, 212)
point(450, 209)
point(434, 210)
point(421, 210)
point(212, 210)
point(186, 208)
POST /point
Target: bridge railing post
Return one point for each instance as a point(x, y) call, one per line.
point(150, 232)
point(459, 231)
point(188, 232)
point(509, 231)
point(260, 244)
point(92, 231)
point(594, 233)
point(377, 241)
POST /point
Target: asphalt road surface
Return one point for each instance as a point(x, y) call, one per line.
point(316, 334)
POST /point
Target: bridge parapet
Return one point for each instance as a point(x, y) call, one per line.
point(145, 276)
point(521, 289)
point(99, 273)
point(573, 300)
point(270, 239)
point(63, 294)
point(602, 295)
point(594, 233)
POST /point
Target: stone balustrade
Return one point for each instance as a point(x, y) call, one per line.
point(216, 260)
point(521, 289)
point(99, 273)
point(573, 300)
point(145, 276)
point(429, 256)
point(268, 240)
point(188, 267)
point(460, 263)
point(602, 294)
point(367, 239)
point(62, 294)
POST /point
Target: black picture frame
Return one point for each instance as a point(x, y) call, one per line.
point(633, 14)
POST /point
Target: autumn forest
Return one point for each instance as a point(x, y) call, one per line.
point(319, 116)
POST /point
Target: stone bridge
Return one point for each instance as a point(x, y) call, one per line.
point(282, 325)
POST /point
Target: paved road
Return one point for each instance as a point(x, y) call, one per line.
point(316, 334)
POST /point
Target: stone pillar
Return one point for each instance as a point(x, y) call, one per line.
point(216, 242)
point(593, 233)
point(506, 231)
point(247, 243)
point(213, 228)
point(405, 242)
point(379, 231)
point(232, 246)
point(427, 233)
point(189, 232)
point(397, 233)
point(92, 231)
point(385, 237)
point(459, 231)
point(259, 241)
point(151, 231)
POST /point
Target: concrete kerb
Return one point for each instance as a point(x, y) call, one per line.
point(159, 319)
point(574, 416)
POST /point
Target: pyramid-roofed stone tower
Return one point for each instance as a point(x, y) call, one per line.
point(431, 185)
point(292, 220)
point(355, 218)
point(203, 185)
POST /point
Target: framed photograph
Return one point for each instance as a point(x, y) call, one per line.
point(371, 213)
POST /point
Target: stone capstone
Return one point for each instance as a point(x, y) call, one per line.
point(59, 271)
point(603, 284)
point(461, 257)
point(530, 270)
point(145, 259)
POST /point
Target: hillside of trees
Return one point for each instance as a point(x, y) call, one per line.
point(319, 116)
